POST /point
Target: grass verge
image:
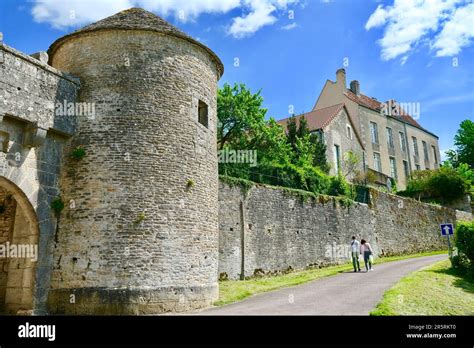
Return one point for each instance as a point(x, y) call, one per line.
point(433, 290)
point(236, 290)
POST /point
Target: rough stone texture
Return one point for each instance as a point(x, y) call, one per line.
point(143, 222)
point(283, 233)
point(139, 19)
point(7, 218)
point(33, 137)
point(336, 134)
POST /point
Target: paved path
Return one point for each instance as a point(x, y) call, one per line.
point(344, 294)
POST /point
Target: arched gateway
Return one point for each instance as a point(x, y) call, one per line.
point(19, 235)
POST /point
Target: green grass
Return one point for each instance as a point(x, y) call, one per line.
point(433, 290)
point(236, 290)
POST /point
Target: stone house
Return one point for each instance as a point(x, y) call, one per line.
point(338, 131)
point(393, 143)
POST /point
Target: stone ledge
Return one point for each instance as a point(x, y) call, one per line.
point(106, 301)
point(40, 64)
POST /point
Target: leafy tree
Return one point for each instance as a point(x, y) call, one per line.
point(303, 129)
point(295, 158)
point(319, 153)
point(464, 142)
point(292, 132)
point(351, 163)
point(239, 112)
point(307, 147)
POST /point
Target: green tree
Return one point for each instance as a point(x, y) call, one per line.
point(464, 142)
point(351, 163)
point(307, 147)
point(319, 153)
point(303, 129)
point(292, 132)
point(239, 112)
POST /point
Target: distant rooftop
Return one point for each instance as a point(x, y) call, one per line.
point(374, 104)
point(317, 119)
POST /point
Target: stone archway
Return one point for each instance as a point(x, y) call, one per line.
point(19, 236)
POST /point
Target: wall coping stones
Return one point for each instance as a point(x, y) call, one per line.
point(39, 63)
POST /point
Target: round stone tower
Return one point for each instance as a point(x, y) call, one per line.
point(139, 231)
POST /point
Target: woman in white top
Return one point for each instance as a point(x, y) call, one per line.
point(366, 250)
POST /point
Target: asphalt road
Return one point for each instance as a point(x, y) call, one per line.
point(344, 294)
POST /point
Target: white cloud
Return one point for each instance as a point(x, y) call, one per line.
point(377, 18)
point(66, 13)
point(63, 14)
point(187, 9)
point(261, 13)
point(290, 26)
point(409, 23)
point(457, 33)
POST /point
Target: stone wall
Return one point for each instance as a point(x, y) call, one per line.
point(32, 138)
point(7, 218)
point(281, 232)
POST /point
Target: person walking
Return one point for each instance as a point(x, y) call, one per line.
point(368, 252)
point(355, 249)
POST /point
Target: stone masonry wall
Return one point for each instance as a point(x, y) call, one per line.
point(336, 134)
point(32, 138)
point(7, 218)
point(281, 232)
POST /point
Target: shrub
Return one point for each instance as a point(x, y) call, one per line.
point(316, 180)
point(464, 242)
point(339, 187)
point(445, 185)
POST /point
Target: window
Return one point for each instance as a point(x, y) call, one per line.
point(374, 132)
point(425, 150)
point(403, 144)
point(415, 146)
point(349, 131)
point(203, 114)
point(435, 156)
point(337, 158)
point(417, 166)
point(393, 168)
point(405, 169)
point(377, 162)
point(390, 138)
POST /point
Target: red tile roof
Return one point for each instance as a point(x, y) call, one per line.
point(317, 119)
point(364, 100)
point(321, 118)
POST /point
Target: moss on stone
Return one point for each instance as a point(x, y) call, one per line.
point(245, 185)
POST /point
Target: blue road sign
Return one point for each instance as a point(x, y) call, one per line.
point(447, 229)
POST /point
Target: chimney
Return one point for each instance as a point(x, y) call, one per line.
point(341, 79)
point(355, 87)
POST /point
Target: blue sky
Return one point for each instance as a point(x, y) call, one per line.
point(411, 51)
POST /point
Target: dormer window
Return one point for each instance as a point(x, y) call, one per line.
point(203, 114)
